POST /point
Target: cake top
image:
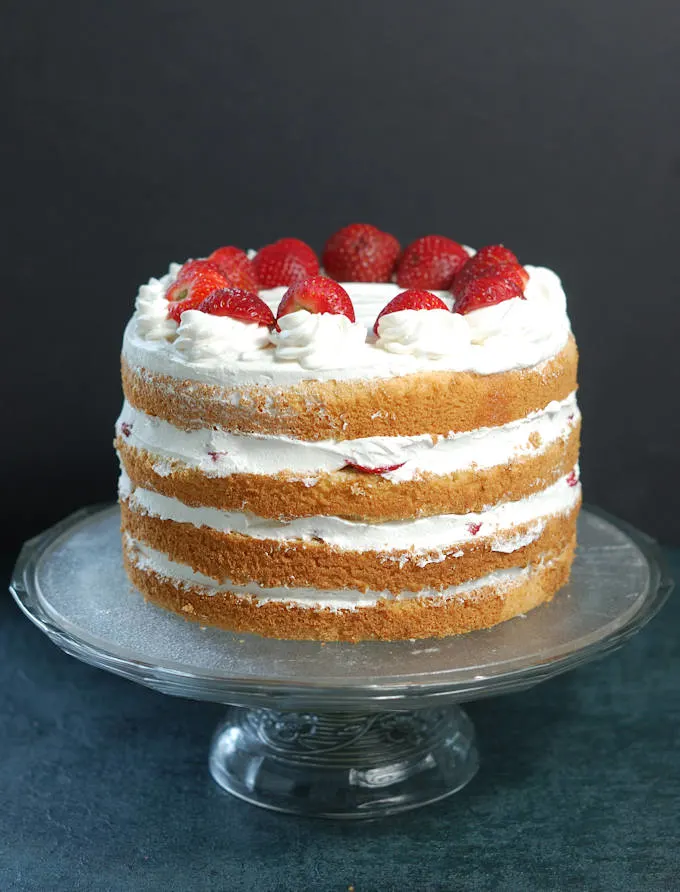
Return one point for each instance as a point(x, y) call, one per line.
point(274, 316)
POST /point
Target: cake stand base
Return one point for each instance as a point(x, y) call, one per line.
point(345, 764)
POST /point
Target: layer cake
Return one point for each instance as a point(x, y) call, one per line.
point(293, 468)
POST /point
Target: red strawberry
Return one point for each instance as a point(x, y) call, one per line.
point(285, 262)
point(192, 267)
point(474, 528)
point(188, 292)
point(487, 260)
point(384, 470)
point(361, 253)
point(317, 295)
point(492, 255)
point(487, 290)
point(238, 304)
point(411, 300)
point(572, 479)
point(511, 271)
point(236, 266)
point(431, 262)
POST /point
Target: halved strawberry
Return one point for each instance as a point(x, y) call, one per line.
point(487, 290)
point(285, 262)
point(431, 262)
point(413, 299)
point(317, 295)
point(238, 304)
point(364, 470)
point(238, 268)
point(187, 293)
point(360, 253)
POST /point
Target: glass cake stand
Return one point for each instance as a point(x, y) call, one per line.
point(335, 730)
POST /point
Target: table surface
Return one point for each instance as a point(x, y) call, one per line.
point(105, 787)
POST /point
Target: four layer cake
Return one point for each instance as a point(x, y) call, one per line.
point(394, 456)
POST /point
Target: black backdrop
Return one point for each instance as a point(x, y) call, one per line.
point(139, 133)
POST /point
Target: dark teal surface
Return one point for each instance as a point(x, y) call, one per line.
point(104, 786)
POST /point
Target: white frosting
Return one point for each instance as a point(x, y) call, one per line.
point(220, 453)
point(318, 340)
point(149, 559)
point(528, 343)
point(427, 333)
point(417, 537)
point(151, 309)
point(203, 338)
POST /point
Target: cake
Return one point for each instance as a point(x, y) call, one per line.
point(385, 447)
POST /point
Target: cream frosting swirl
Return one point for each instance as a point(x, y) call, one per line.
point(152, 308)
point(318, 340)
point(203, 337)
point(430, 333)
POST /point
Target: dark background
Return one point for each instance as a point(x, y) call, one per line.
point(139, 133)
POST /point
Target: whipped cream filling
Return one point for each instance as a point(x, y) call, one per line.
point(150, 560)
point(420, 537)
point(220, 453)
point(535, 332)
point(317, 340)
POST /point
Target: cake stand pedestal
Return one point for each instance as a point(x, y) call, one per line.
point(334, 730)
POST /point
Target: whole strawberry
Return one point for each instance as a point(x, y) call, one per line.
point(431, 262)
point(317, 295)
point(285, 262)
point(236, 266)
point(414, 299)
point(238, 304)
point(195, 281)
point(361, 253)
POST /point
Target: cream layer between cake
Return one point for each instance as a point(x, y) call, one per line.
point(219, 453)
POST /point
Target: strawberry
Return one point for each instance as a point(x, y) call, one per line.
point(364, 470)
point(192, 267)
point(431, 262)
point(411, 300)
point(474, 528)
point(487, 260)
point(285, 262)
point(572, 479)
point(488, 289)
point(188, 291)
point(317, 295)
point(238, 304)
point(361, 253)
point(236, 266)
point(492, 255)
